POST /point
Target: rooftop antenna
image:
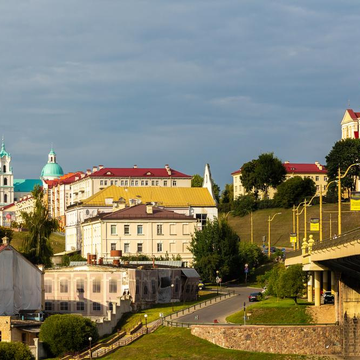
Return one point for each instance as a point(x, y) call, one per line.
point(348, 103)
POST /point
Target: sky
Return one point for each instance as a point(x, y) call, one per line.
point(183, 83)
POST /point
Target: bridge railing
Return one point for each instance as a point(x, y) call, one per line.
point(344, 238)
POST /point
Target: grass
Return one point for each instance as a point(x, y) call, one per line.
point(57, 241)
point(179, 344)
point(274, 311)
point(128, 321)
point(281, 226)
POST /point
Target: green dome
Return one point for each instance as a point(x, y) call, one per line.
point(52, 170)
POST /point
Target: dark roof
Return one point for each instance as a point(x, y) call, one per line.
point(139, 212)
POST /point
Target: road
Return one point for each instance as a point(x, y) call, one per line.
point(222, 309)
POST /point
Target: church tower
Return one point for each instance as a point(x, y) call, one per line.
point(52, 170)
point(6, 177)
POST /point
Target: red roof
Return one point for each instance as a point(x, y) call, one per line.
point(304, 168)
point(298, 168)
point(353, 115)
point(65, 179)
point(139, 212)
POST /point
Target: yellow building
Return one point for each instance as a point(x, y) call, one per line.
point(350, 125)
point(316, 172)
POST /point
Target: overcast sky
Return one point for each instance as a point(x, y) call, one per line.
point(183, 82)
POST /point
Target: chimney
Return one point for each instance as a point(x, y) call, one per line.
point(101, 167)
point(135, 166)
point(118, 205)
point(168, 169)
point(5, 240)
point(88, 171)
point(94, 169)
point(149, 208)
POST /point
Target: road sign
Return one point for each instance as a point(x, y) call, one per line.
point(218, 280)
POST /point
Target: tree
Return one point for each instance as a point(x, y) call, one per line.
point(15, 351)
point(343, 154)
point(216, 248)
point(291, 282)
point(4, 231)
point(36, 245)
point(244, 204)
point(293, 191)
point(197, 181)
point(252, 255)
point(226, 198)
point(262, 173)
point(67, 333)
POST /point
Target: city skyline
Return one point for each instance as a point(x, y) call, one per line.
point(173, 83)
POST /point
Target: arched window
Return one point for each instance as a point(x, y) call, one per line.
point(5, 198)
point(5, 181)
point(4, 168)
point(63, 286)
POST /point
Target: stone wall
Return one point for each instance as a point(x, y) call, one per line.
point(306, 340)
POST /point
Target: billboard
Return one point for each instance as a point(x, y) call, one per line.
point(314, 224)
point(355, 201)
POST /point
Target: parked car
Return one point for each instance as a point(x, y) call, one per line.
point(328, 297)
point(255, 296)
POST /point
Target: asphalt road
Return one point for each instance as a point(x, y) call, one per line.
point(222, 309)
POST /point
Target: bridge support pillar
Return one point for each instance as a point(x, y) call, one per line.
point(310, 287)
point(317, 287)
point(325, 281)
point(333, 283)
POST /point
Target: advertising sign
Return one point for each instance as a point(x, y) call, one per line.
point(314, 224)
point(293, 237)
point(355, 201)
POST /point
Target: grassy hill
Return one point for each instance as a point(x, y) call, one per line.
point(57, 241)
point(281, 226)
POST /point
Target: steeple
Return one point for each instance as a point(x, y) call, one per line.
point(3, 151)
point(52, 157)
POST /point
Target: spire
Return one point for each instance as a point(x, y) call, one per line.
point(3, 151)
point(52, 156)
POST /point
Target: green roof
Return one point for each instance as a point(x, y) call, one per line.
point(52, 170)
point(26, 185)
point(3, 152)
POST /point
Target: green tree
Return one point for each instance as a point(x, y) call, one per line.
point(4, 231)
point(226, 198)
point(244, 204)
point(67, 333)
point(197, 181)
point(343, 154)
point(293, 191)
point(252, 255)
point(216, 248)
point(291, 282)
point(262, 173)
point(273, 284)
point(15, 351)
point(36, 245)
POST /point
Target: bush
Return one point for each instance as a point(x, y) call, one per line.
point(15, 351)
point(67, 333)
point(266, 204)
point(244, 204)
point(74, 257)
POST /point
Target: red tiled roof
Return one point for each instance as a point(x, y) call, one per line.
point(304, 168)
point(139, 212)
point(65, 179)
point(236, 172)
point(354, 115)
point(138, 172)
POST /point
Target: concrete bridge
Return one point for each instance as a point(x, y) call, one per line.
point(333, 264)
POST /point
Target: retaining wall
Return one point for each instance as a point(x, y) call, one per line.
point(302, 340)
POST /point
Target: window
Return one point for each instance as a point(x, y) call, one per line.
point(63, 286)
point(111, 306)
point(122, 182)
point(324, 187)
point(112, 286)
point(159, 247)
point(316, 178)
point(111, 182)
point(152, 183)
point(146, 183)
point(325, 178)
point(80, 285)
point(115, 182)
point(235, 188)
point(201, 218)
point(96, 286)
point(5, 198)
point(113, 229)
point(48, 286)
point(127, 229)
point(174, 182)
point(140, 230)
point(48, 306)
point(126, 183)
point(5, 181)
point(105, 182)
point(139, 247)
point(186, 229)
point(172, 229)
point(136, 182)
point(132, 182)
point(4, 168)
point(80, 306)
point(165, 182)
point(126, 248)
point(113, 246)
point(142, 182)
point(157, 183)
point(159, 229)
point(101, 182)
point(96, 306)
point(64, 306)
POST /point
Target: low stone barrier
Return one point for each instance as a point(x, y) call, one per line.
point(302, 340)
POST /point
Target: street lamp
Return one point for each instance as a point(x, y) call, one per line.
point(172, 303)
point(90, 338)
point(270, 219)
point(145, 316)
point(217, 282)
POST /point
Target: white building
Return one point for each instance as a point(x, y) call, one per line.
point(6, 177)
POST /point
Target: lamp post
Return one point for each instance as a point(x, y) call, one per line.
point(217, 282)
point(90, 338)
point(321, 211)
point(172, 303)
point(270, 219)
point(145, 316)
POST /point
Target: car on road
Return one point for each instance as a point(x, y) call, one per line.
point(328, 297)
point(255, 296)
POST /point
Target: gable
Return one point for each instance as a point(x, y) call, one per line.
point(349, 117)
